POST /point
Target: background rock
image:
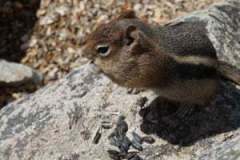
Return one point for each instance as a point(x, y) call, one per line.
point(61, 120)
point(14, 74)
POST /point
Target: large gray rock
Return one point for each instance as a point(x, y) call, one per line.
point(60, 121)
point(14, 74)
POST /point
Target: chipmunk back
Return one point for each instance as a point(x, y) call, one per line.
point(177, 61)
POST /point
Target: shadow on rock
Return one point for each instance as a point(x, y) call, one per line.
point(183, 126)
point(17, 19)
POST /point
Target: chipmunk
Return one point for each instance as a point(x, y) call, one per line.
point(177, 61)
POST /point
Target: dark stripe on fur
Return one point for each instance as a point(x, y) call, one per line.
point(192, 71)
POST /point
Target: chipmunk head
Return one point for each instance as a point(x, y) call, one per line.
point(123, 50)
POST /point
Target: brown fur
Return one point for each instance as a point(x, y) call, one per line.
point(144, 56)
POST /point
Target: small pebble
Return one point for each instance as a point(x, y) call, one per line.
point(137, 145)
point(148, 139)
point(114, 155)
point(115, 141)
point(97, 136)
point(122, 126)
point(125, 145)
point(106, 125)
point(130, 155)
point(137, 137)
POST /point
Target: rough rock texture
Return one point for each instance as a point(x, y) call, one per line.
point(61, 120)
point(14, 74)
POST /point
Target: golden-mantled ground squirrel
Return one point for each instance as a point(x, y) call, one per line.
point(177, 61)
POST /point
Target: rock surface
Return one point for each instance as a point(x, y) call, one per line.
point(14, 74)
point(61, 120)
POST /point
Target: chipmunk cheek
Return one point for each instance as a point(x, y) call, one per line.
point(101, 64)
point(98, 62)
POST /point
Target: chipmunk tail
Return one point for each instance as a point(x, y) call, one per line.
point(229, 72)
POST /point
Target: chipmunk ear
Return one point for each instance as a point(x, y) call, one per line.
point(133, 34)
point(127, 14)
point(136, 40)
point(130, 37)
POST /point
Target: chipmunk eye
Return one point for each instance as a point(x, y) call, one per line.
point(103, 50)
